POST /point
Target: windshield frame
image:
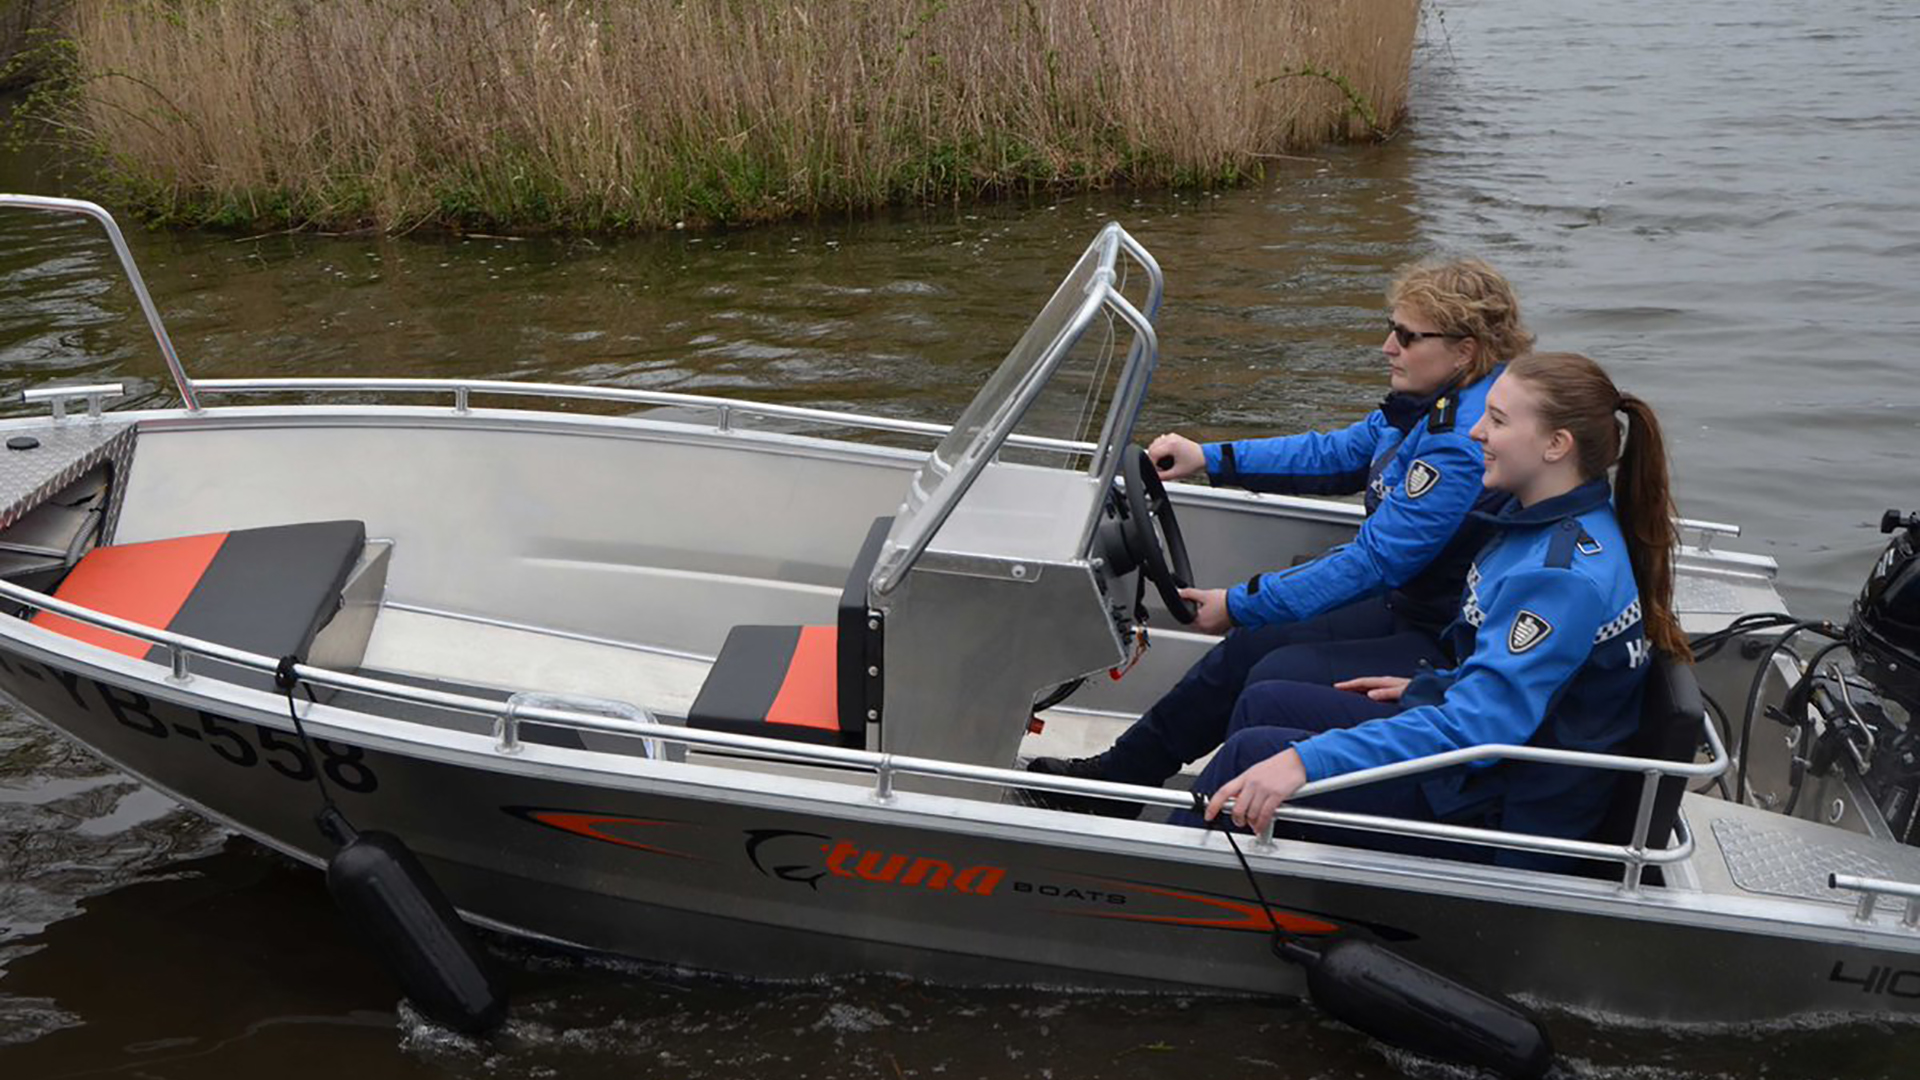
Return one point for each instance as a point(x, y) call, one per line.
point(1090, 288)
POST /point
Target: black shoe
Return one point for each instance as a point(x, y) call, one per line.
point(1086, 768)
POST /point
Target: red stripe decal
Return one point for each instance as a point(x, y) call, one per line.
point(592, 827)
point(1248, 915)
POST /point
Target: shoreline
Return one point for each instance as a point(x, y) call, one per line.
point(490, 116)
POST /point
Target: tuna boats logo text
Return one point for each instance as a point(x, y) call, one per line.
point(808, 858)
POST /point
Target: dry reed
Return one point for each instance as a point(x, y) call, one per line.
point(639, 113)
point(22, 23)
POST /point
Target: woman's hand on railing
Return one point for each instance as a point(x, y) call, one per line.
point(1387, 688)
point(1176, 457)
point(1259, 791)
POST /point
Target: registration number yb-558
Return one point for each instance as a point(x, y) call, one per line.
point(240, 744)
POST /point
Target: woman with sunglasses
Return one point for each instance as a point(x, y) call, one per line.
point(1556, 627)
point(1375, 605)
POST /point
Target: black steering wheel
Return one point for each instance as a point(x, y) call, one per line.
point(1153, 536)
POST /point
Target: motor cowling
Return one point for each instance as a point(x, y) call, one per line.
point(1884, 632)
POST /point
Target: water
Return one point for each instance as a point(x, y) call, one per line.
point(1712, 198)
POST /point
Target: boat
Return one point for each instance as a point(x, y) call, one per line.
point(747, 687)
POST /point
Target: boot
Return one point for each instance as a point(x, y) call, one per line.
point(1086, 768)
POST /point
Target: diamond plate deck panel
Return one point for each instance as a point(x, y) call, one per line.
point(1694, 594)
point(67, 450)
point(1782, 862)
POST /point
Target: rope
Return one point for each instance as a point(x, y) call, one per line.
point(333, 824)
point(1286, 946)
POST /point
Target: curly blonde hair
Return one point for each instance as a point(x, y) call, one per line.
point(1469, 298)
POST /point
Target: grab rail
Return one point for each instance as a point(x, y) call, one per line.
point(95, 395)
point(1871, 889)
point(1634, 856)
point(120, 249)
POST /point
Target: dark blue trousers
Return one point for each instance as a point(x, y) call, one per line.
point(1271, 716)
point(1192, 718)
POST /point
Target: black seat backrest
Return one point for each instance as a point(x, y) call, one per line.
point(1671, 713)
point(857, 644)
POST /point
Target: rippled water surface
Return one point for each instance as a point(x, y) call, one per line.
point(1716, 199)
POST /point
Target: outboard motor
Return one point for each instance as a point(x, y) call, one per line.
point(1856, 753)
point(1884, 632)
point(1884, 637)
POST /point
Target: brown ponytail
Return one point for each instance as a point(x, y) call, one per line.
point(1576, 394)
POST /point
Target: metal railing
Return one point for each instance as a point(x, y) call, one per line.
point(725, 410)
point(462, 391)
point(1128, 395)
point(98, 213)
point(1634, 856)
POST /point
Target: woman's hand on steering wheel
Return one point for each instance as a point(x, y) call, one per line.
point(1153, 534)
point(1210, 614)
point(1176, 457)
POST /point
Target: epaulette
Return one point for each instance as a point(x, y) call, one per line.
point(1567, 538)
point(1445, 408)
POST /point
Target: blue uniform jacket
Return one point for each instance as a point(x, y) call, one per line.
point(1421, 474)
point(1555, 656)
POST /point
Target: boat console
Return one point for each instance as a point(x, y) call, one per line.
point(999, 580)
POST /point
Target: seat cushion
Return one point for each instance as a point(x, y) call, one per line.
point(267, 590)
point(779, 682)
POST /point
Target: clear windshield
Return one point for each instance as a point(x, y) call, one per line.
point(1012, 390)
point(1012, 385)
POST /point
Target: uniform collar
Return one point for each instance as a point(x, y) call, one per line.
point(1404, 410)
point(1591, 495)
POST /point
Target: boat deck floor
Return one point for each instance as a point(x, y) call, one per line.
point(448, 648)
point(445, 647)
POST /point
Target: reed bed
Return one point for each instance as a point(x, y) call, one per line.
point(643, 113)
point(22, 26)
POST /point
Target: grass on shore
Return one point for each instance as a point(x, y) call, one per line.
point(627, 114)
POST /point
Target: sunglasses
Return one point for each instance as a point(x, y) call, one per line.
point(1409, 338)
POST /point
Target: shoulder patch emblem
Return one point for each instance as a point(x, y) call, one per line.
point(1528, 630)
point(1420, 478)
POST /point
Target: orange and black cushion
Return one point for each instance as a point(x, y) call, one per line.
point(267, 590)
point(779, 682)
point(818, 684)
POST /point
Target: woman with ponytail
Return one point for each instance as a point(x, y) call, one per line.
point(1561, 614)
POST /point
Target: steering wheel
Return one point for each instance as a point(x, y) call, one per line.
point(1162, 551)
